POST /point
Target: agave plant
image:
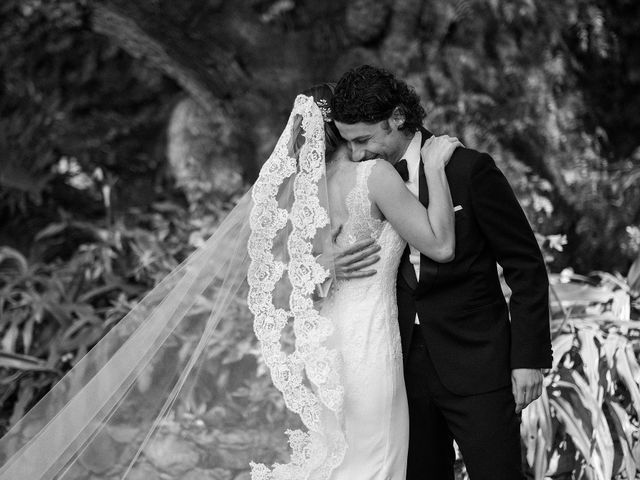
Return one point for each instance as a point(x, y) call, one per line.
point(589, 407)
point(586, 423)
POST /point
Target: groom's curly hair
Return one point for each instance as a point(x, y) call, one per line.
point(371, 94)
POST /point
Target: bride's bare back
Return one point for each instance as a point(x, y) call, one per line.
point(429, 230)
point(342, 177)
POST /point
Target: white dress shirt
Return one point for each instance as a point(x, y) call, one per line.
point(412, 156)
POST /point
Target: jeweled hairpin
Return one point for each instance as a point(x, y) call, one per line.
point(324, 107)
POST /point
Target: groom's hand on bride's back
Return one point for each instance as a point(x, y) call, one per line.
point(353, 261)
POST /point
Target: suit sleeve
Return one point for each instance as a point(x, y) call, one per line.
point(514, 245)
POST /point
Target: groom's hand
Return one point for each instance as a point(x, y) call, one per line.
point(353, 261)
point(526, 384)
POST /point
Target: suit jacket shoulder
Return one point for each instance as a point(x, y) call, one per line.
point(464, 162)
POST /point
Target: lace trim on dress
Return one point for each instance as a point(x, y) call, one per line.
point(361, 223)
point(320, 449)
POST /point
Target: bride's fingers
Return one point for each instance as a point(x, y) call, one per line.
point(428, 142)
point(439, 141)
point(447, 139)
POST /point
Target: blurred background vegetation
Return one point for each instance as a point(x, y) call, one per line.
point(128, 130)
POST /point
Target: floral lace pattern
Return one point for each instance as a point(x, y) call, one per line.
point(318, 451)
point(361, 223)
point(365, 316)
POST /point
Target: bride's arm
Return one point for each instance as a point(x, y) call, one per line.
point(429, 230)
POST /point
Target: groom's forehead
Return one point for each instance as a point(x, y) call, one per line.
point(357, 130)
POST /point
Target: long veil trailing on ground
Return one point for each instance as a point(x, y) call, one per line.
point(161, 397)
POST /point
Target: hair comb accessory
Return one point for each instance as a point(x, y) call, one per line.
point(324, 107)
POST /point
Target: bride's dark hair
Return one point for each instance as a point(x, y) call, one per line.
point(323, 94)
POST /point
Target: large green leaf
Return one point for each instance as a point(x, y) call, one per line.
point(561, 345)
point(12, 264)
point(566, 414)
point(633, 277)
point(626, 368)
point(625, 433)
point(537, 433)
point(23, 362)
point(602, 449)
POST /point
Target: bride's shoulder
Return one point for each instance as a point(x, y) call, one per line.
point(371, 164)
point(380, 167)
point(382, 177)
point(365, 168)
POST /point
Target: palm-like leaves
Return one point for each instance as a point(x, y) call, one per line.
point(592, 399)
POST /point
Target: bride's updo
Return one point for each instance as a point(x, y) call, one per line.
point(322, 95)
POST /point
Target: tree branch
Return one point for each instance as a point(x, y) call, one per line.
point(154, 39)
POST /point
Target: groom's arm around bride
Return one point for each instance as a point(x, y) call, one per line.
point(471, 363)
point(476, 344)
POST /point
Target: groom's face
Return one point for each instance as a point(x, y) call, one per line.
point(367, 141)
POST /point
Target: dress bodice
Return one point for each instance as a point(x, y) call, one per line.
point(362, 224)
point(365, 316)
point(371, 297)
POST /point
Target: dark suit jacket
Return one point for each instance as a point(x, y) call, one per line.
point(463, 315)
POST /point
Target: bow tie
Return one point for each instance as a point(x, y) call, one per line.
point(403, 169)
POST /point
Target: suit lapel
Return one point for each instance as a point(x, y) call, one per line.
point(428, 268)
point(407, 271)
point(423, 190)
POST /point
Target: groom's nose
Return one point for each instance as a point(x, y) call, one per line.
point(357, 153)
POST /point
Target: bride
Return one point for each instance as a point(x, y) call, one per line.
point(341, 374)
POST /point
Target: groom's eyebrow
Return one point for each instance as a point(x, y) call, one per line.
point(361, 138)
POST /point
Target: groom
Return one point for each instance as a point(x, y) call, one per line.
point(471, 363)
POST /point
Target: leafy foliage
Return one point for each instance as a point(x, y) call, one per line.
point(586, 422)
point(52, 313)
point(90, 219)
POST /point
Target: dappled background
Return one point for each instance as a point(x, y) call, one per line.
point(129, 128)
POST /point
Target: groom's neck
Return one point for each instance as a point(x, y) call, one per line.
point(402, 147)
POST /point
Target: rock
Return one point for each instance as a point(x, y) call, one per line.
point(123, 433)
point(77, 472)
point(401, 46)
point(354, 57)
point(143, 471)
point(235, 450)
point(367, 19)
point(243, 476)
point(202, 153)
point(101, 454)
point(208, 474)
point(234, 453)
point(172, 454)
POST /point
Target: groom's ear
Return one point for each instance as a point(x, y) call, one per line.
point(397, 117)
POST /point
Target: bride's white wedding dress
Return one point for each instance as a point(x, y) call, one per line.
point(343, 377)
point(365, 315)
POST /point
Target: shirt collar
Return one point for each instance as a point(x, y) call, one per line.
point(412, 155)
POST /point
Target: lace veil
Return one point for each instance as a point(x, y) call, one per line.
point(196, 377)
